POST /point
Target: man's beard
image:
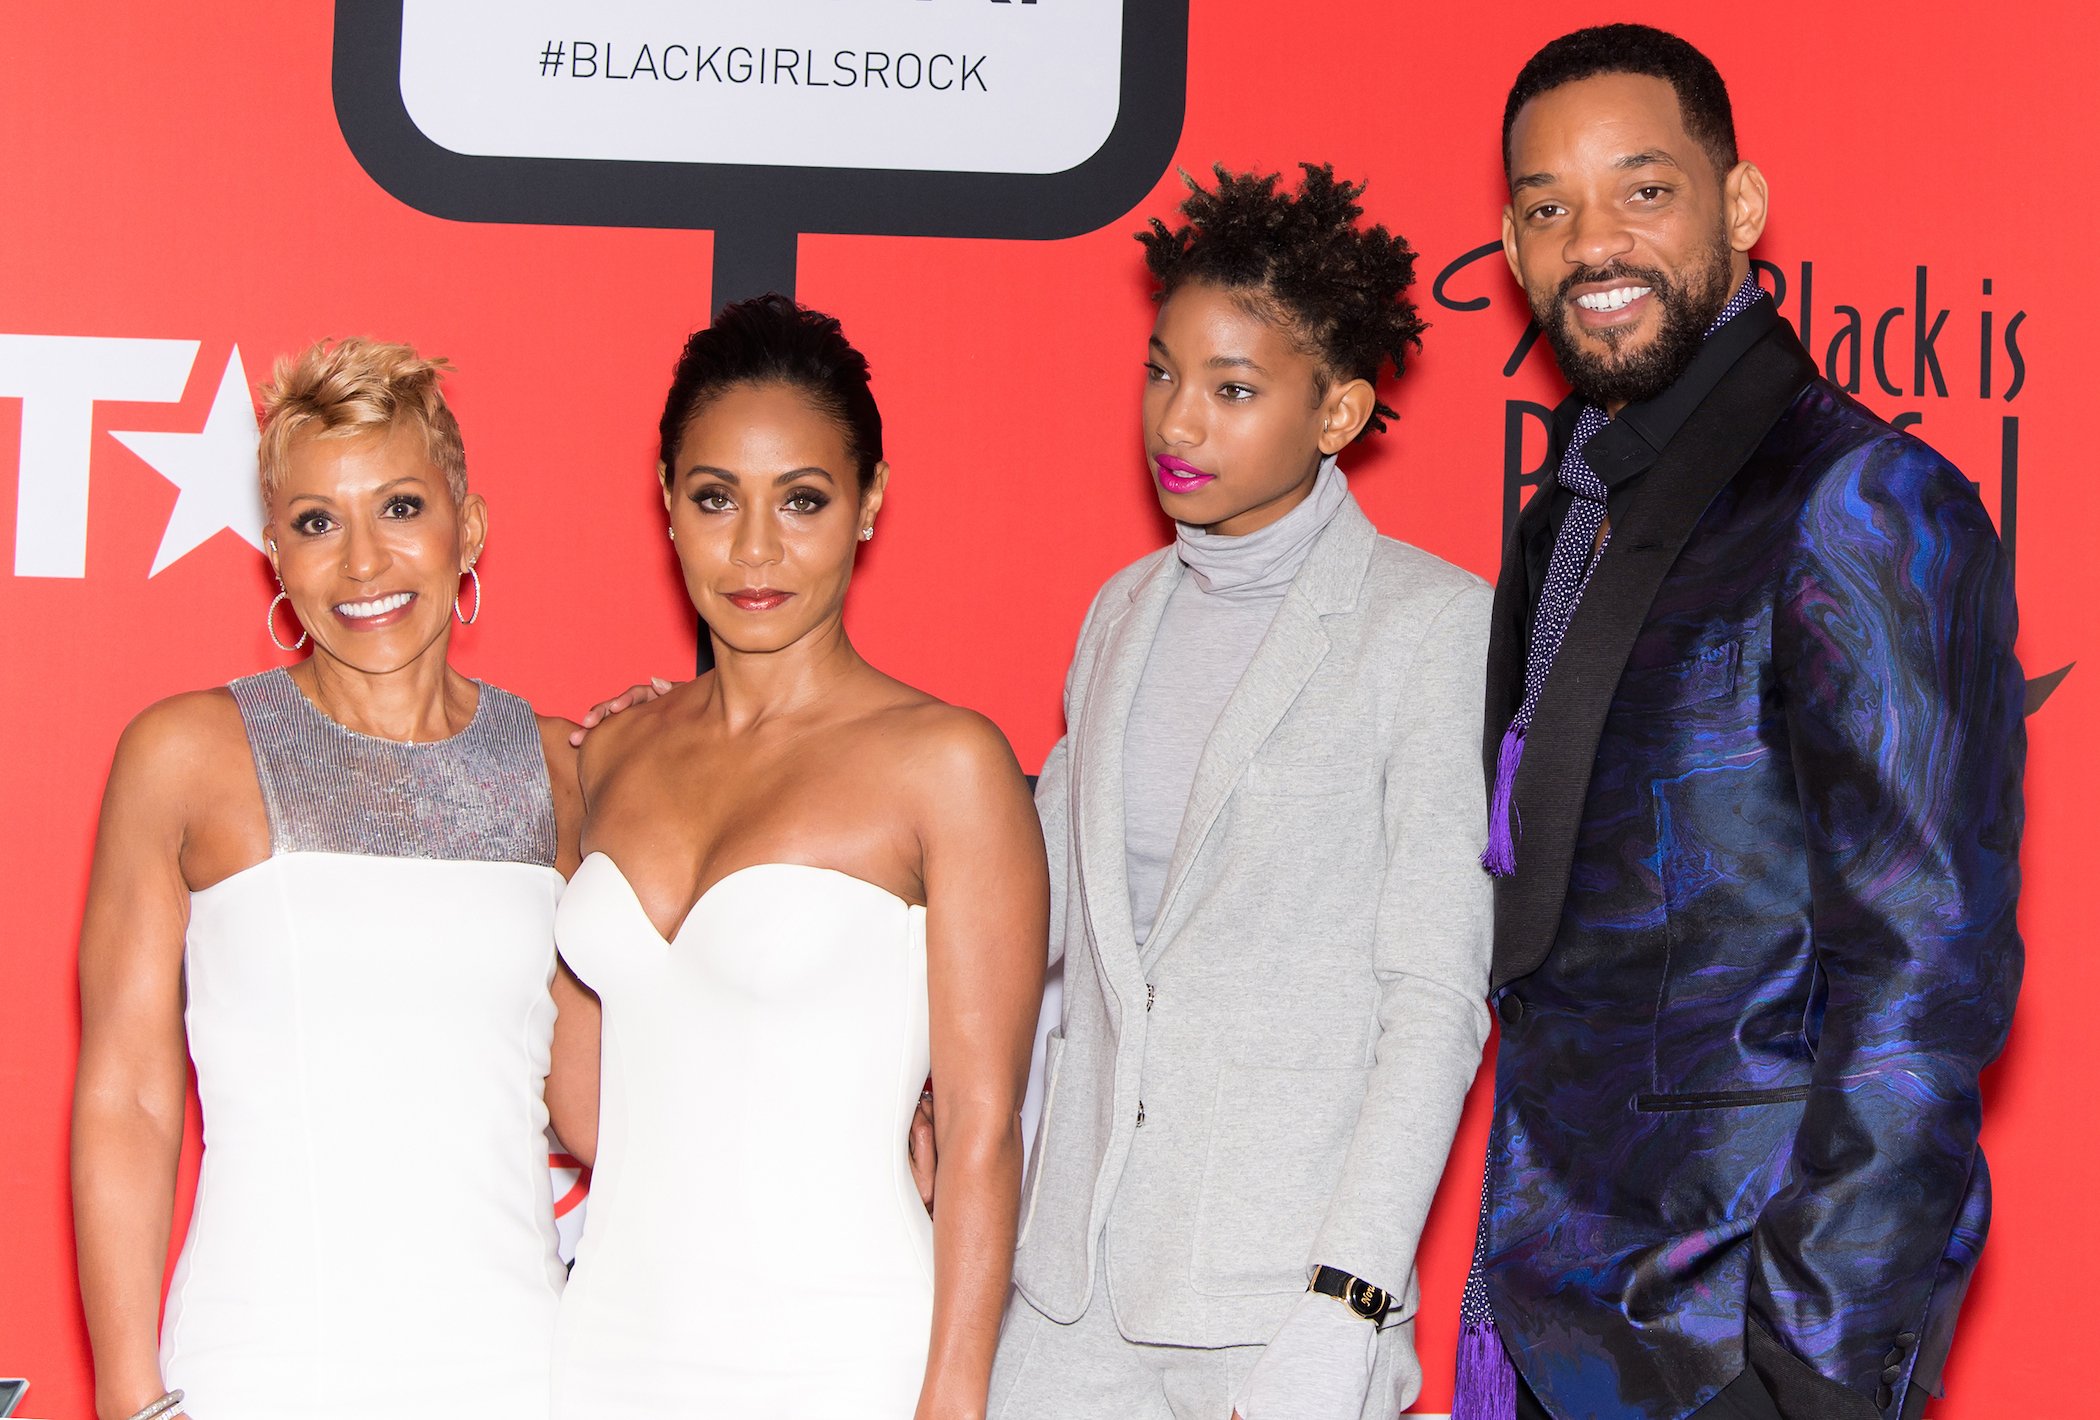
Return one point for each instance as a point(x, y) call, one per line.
point(1628, 376)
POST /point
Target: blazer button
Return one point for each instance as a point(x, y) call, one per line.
point(1510, 1008)
point(1906, 1339)
point(1882, 1396)
point(1892, 1375)
point(1894, 1357)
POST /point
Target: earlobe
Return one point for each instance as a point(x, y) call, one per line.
point(1509, 243)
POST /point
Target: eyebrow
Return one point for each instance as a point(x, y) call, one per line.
point(779, 481)
point(1216, 362)
point(1646, 158)
point(390, 484)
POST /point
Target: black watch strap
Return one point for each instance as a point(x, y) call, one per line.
point(1369, 1302)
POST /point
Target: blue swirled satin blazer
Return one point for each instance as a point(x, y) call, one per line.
point(1760, 941)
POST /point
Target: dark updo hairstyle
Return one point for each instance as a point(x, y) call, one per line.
point(771, 340)
point(1299, 260)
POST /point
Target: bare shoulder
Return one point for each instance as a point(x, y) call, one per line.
point(975, 818)
point(181, 763)
point(196, 732)
point(949, 740)
point(957, 770)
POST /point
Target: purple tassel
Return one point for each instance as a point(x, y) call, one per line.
point(1500, 856)
point(1487, 1382)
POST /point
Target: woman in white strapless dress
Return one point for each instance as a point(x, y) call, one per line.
point(336, 884)
point(807, 884)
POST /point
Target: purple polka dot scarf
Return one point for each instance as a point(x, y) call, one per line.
point(1577, 550)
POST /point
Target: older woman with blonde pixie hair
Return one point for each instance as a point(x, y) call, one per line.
point(332, 887)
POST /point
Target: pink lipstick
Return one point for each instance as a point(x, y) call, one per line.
point(1179, 475)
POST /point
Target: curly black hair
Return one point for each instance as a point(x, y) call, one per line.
point(1302, 258)
point(1702, 98)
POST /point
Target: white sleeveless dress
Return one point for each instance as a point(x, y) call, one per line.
point(755, 1248)
point(369, 1015)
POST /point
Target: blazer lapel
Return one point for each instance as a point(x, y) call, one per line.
point(1097, 755)
point(1290, 651)
point(1560, 748)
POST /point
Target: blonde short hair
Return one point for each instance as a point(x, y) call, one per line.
point(353, 387)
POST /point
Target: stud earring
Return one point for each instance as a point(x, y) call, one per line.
point(866, 533)
point(671, 533)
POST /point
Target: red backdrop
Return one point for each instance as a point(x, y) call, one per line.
point(178, 173)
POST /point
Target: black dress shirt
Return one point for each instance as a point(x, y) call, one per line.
point(1627, 447)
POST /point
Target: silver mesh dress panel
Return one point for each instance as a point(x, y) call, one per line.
point(480, 796)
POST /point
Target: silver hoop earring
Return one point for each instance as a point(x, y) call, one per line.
point(866, 533)
point(470, 620)
point(270, 621)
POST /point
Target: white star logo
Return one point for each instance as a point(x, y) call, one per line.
point(214, 469)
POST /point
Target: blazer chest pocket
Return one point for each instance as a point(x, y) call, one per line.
point(1308, 779)
point(1712, 674)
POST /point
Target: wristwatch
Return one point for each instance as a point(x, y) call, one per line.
point(1369, 1302)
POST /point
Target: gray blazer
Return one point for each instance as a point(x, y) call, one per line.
point(1274, 1081)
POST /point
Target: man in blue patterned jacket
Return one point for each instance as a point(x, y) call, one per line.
point(1755, 737)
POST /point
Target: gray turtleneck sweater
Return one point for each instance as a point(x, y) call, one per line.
point(1215, 617)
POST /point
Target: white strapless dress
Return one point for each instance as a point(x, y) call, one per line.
point(754, 1248)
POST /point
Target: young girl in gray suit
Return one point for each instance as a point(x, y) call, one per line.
point(1264, 827)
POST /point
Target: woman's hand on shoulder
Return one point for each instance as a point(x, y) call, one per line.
point(626, 700)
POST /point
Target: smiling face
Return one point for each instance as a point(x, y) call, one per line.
point(370, 545)
point(1626, 240)
point(767, 512)
point(1237, 416)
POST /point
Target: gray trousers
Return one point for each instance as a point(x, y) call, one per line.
point(1089, 1370)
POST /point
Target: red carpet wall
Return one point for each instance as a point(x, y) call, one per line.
point(182, 205)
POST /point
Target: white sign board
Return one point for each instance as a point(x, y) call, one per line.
point(975, 86)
